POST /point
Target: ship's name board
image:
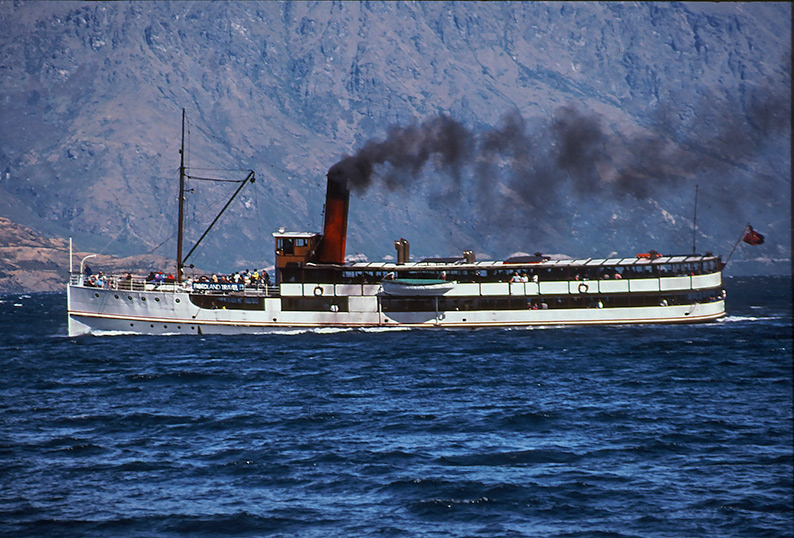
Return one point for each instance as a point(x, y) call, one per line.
point(217, 286)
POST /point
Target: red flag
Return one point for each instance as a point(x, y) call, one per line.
point(752, 237)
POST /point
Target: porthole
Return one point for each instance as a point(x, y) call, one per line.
point(157, 299)
point(143, 298)
point(96, 295)
point(275, 319)
point(152, 326)
point(132, 325)
point(165, 326)
point(129, 297)
point(464, 319)
point(179, 327)
point(177, 300)
point(116, 296)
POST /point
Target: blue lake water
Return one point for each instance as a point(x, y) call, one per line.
point(579, 431)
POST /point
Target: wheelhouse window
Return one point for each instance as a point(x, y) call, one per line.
point(286, 245)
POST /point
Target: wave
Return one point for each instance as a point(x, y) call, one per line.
point(113, 333)
point(330, 330)
point(302, 331)
point(735, 319)
point(384, 329)
point(335, 330)
point(510, 458)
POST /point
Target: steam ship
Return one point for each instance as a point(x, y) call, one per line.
point(315, 288)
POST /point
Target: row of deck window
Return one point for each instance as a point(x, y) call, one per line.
point(503, 274)
point(448, 304)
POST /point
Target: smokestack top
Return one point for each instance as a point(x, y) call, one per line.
point(351, 172)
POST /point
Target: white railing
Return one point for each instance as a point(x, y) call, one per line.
point(139, 283)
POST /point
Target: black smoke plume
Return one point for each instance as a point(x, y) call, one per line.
point(522, 170)
point(404, 153)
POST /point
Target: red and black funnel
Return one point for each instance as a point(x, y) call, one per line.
point(337, 200)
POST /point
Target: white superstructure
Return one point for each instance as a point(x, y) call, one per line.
point(667, 289)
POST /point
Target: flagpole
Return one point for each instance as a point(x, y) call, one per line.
point(746, 226)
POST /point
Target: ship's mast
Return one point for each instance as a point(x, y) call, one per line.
point(181, 203)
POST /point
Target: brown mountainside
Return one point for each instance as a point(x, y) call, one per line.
point(30, 262)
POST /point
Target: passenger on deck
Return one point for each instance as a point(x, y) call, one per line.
point(97, 280)
point(126, 282)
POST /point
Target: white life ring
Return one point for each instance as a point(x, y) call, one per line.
point(583, 288)
point(318, 291)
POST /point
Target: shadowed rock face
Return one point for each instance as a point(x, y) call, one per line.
point(498, 127)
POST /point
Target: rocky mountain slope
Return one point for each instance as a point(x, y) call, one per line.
point(575, 128)
point(30, 262)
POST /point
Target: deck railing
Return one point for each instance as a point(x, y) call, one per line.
point(138, 283)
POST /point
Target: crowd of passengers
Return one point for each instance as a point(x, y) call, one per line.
point(253, 279)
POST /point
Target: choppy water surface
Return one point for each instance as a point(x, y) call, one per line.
point(624, 431)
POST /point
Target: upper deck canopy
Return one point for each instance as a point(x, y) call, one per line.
point(588, 263)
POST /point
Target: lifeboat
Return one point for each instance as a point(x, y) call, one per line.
point(416, 287)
